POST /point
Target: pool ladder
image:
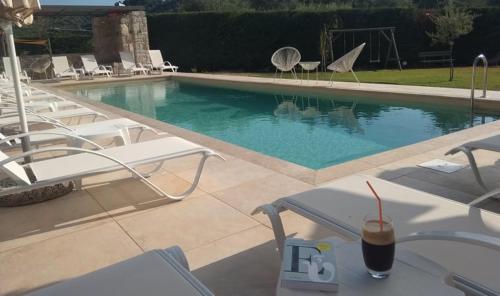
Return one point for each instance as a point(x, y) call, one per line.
point(482, 58)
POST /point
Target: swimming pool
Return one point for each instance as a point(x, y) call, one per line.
point(312, 131)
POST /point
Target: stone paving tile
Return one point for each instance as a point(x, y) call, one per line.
point(248, 196)
point(29, 224)
point(131, 197)
point(231, 245)
point(66, 256)
point(243, 264)
point(227, 174)
point(190, 224)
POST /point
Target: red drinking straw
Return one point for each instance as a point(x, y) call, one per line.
point(379, 203)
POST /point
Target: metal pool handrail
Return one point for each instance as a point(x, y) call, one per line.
point(482, 58)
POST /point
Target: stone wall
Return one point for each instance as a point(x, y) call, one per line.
point(121, 32)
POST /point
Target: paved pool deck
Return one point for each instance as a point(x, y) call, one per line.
point(228, 249)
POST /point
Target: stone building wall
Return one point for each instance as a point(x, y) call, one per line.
point(121, 32)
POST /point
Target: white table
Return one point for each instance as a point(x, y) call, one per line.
point(411, 275)
point(309, 66)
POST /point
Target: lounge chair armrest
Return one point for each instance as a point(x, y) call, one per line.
point(167, 63)
point(54, 124)
point(177, 253)
point(70, 136)
point(457, 236)
point(102, 68)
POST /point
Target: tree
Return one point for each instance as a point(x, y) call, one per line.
point(453, 23)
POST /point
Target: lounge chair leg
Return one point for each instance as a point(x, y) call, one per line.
point(484, 197)
point(356, 77)
point(473, 164)
point(294, 74)
point(275, 74)
point(276, 223)
point(78, 184)
point(191, 188)
point(331, 78)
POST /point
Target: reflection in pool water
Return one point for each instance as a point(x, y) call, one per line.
point(312, 131)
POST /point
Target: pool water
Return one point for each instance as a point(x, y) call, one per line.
point(315, 132)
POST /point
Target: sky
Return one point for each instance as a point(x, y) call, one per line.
point(77, 2)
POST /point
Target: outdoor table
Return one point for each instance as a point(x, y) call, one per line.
point(309, 66)
point(411, 274)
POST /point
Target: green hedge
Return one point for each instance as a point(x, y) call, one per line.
point(245, 41)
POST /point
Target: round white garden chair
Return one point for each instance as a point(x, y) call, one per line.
point(285, 59)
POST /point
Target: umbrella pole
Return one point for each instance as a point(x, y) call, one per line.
point(18, 88)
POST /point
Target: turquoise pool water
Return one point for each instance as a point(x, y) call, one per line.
point(312, 131)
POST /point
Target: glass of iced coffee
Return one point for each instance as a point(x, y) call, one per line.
point(378, 245)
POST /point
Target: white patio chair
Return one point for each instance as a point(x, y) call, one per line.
point(341, 205)
point(86, 163)
point(346, 62)
point(156, 272)
point(8, 70)
point(40, 66)
point(158, 63)
point(62, 68)
point(285, 59)
point(128, 63)
point(91, 67)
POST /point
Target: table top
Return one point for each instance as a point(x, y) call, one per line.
point(309, 65)
point(411, 275)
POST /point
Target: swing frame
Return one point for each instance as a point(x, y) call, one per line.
point(386, 32)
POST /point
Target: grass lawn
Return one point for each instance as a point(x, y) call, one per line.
point(437, 77)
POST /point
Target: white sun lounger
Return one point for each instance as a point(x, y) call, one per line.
point(154, 273)
point(8, 90)
point(119, 127)
point(128, 63)
point(341, 206)
point(489, 144)
point(91, 162)
point(62, 68)
point(91, 67)
point(346, 62)
point(8, 70)
point(158, 63)
point(52, 117)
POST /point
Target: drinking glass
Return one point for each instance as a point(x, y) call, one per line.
point(378, 245)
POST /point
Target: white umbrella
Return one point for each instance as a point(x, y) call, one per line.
point(20, 13)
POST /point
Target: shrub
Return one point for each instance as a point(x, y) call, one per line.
point(245, 41)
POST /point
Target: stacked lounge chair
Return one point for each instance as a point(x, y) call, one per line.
point(8, 70)
point(92, 68)
point(157, 62)
point(80, 163)
point(62, 68)
point(129, 64)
